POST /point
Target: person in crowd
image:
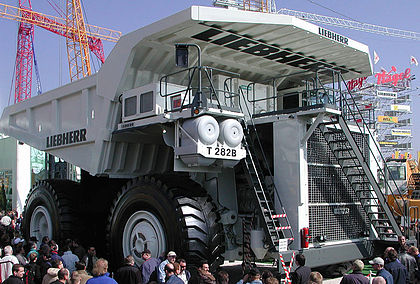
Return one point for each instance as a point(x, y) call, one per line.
point(78, 249)
point(253, 277)
point(161, 275)
point(185, 275)
point(222, 277)
point(69, 259)
point(33, 271)
point(7, 262)
point(378, 280)
point(32, 247)
point(90, 259)
point(177, 268)
point(171, 278)
point(398, 271)
point(408, 261)
point(204, 274)
point(100, 273)
point(75, 278)
point(148, 268)
point(356, 277)
point(44, 242)
point(81, 271)
point(52, 272)
point(378, 265)
point(128, 274)
point(54, 252)
point(414, 252)
point(63, 276)
point(17, 275)
point(315, 278)
point(20, 254)
point(44, 259)
point(271, 280)
point(302, 272)
point(265, 275)
point(402, 243)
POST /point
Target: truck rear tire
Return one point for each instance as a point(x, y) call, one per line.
point(50, 211)
point(151, 214)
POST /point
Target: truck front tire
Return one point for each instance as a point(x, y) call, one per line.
point(50, 211)
point(150, 213)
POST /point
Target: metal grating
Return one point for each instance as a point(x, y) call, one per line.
point(320, 153)
point(337, 222)
point(328, 184)
point(334, 209)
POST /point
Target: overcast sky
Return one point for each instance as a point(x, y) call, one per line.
point(128, 15)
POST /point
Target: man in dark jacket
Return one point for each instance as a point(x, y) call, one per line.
point(301, 274)
point(128, 274)
point(378, 265)
point(149, 266)
point(17, 275)
point(398, 271)
point(356, 277)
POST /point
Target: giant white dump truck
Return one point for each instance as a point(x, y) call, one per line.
point(247, 145)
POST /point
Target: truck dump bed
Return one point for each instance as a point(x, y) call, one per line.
point(77, 122)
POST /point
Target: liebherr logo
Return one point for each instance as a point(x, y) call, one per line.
point(66, 138)
point(248, 45)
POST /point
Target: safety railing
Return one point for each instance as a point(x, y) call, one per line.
point(351, 112)
point(178, 99)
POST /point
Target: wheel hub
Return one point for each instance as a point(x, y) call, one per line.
point(143, 231)
point(40, 224)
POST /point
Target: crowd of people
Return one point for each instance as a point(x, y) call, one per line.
point(42, 262)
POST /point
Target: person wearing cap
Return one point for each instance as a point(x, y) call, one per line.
point(378, 265)
point(148, 268)
point(301, 274)
point(161, 275)
point(356, 277)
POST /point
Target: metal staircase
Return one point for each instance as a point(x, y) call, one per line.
point(277, 223)
point(356, 161)
point(355, 165)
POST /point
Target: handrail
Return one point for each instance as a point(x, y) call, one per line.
point(264, 158)
point(208, 71)
point(365, 126)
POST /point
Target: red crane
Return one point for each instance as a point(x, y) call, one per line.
point(79, 35)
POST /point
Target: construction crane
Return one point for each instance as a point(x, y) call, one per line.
point(81, 38)
point(349, 24)
point(269, 6)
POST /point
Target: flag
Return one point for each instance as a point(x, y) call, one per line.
point(413, 60)
point(375, 57)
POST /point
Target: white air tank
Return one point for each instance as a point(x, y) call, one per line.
point(204, 129)
point(231, 132)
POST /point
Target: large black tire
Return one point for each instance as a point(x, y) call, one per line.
point(187, 223)
point(51, 203)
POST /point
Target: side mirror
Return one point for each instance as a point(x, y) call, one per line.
point(181, 55)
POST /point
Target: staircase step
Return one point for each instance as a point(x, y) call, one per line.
point(379, 220)
point(329, 123)
point(343, 150)
point(338, 141)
